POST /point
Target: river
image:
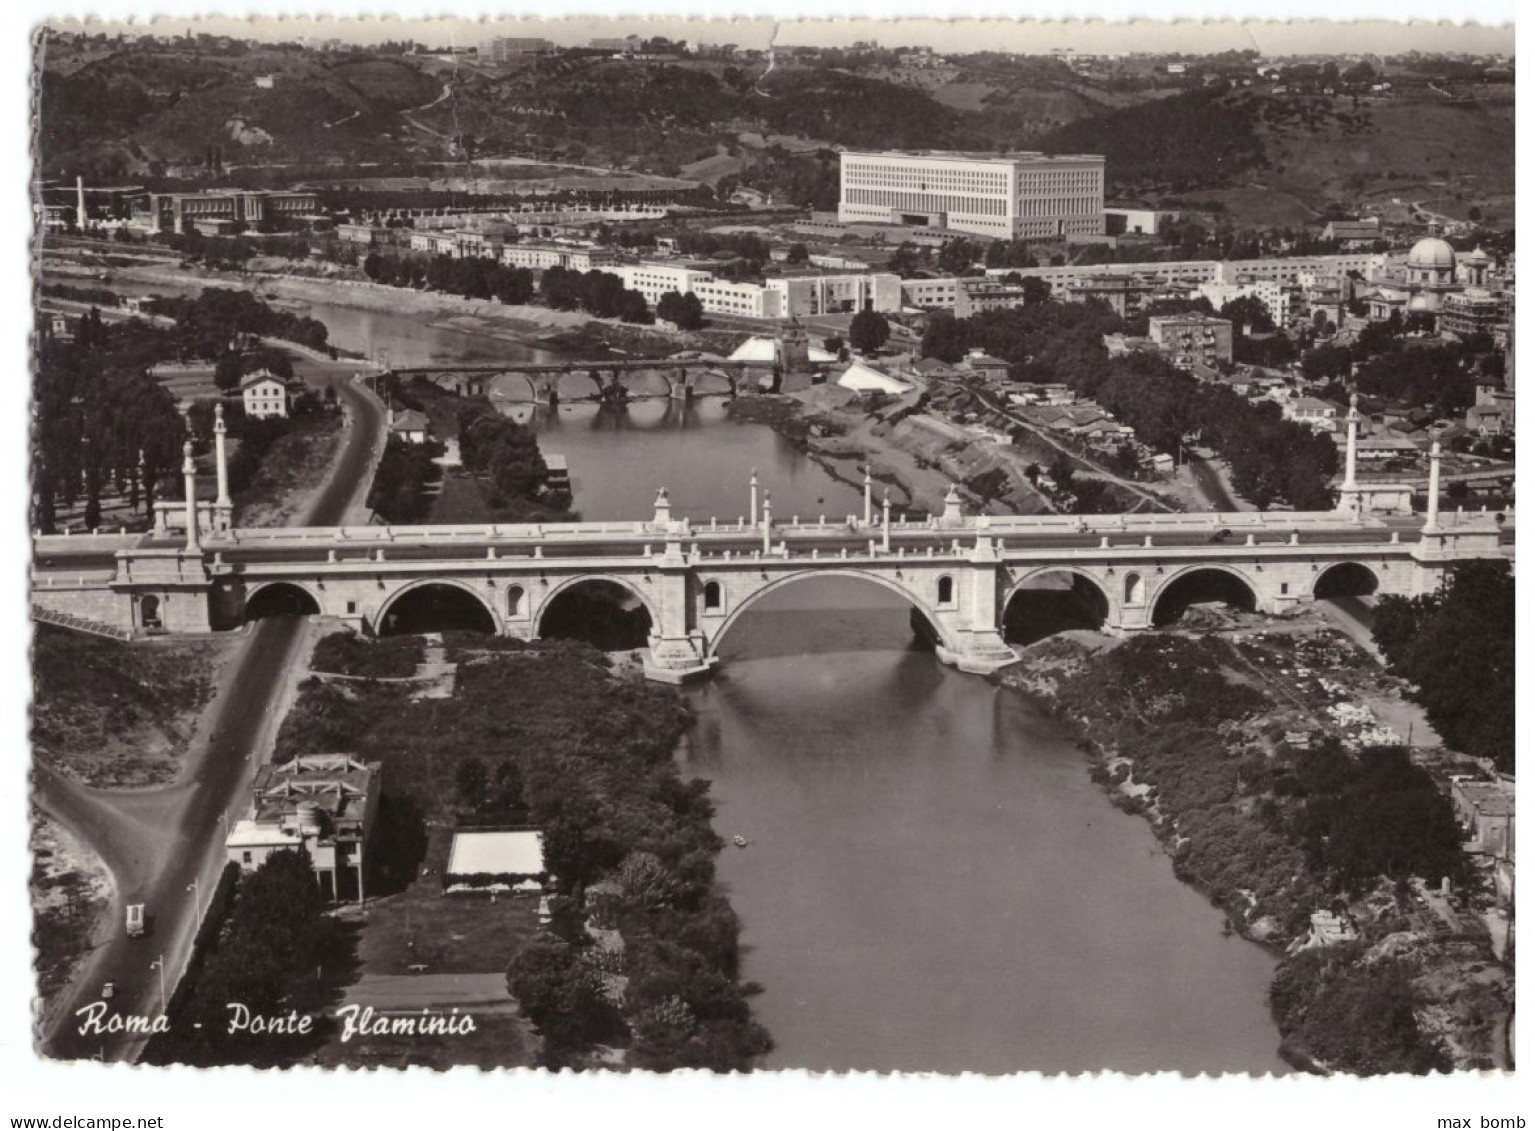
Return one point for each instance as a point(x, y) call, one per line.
point(932, 880)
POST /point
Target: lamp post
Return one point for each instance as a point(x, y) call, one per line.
point(197, 901)
point(159, 964)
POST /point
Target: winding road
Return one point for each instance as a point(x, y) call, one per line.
point(163, 845)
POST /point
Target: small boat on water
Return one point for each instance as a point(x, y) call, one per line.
point(740, 841)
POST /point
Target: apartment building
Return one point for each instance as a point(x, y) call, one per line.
point(1191, 339)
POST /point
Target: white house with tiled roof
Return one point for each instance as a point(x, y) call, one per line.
point(265, 394)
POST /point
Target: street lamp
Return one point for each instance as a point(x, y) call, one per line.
point(197, 901)
point(159, 964)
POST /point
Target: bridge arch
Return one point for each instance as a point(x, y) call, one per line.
point(1202, 582)
point(280, 598)
point(1345, 579)
point(1096, 595)
point(541, 610)
point(929, 613)
point(391, 605)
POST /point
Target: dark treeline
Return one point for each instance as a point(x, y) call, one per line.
point(1441, 375)
point(96, 412)
point(211, 324)
point(470, 277)
point(1457, 649)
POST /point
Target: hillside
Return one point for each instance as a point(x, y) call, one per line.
point(134, 111)
point(1281, 159)
point(110, 713)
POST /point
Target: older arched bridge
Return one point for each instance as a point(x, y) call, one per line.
point(696, 580)
point(548, 382)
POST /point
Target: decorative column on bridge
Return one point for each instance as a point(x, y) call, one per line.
point(1350, 498)
point(884, 542)
point(868, 496)
point(223, 509)
point(767, 522)
point(754, 497)
point(1431, 521)
point(676, 646)
point(189, 475)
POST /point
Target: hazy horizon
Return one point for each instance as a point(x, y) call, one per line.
point(1022, 37)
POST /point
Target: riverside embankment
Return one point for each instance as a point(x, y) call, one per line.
point(1196, 732)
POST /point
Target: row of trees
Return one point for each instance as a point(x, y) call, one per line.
point(398, 492)
point(96, 413)
point(207, 326)
point(471, 277)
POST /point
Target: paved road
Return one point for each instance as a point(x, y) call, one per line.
point(1211, 484)
point(157, 843)
point(160, 865)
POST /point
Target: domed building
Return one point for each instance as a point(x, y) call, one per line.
point(1427, 276)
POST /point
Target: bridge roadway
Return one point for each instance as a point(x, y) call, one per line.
point(86, 553)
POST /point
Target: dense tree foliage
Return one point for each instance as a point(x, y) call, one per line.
point(471, 277)
point(96, 410)
point(686, 312)
point(1189, 139)
point(1354, 1016)
point(275, 935)
point(508, 454)
point(1457, 649)
point(398, 491)
point(868, 331)
point(207, 326)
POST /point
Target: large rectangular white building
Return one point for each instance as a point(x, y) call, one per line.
point(1014, 196)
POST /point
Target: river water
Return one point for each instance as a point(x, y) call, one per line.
point(932, 880)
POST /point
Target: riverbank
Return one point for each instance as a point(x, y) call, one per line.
point(913, 455)
point(529, 325)
point(1279, 814)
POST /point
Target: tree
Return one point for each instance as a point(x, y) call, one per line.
point(471, 778)
point(685, 311)
point(1248, 314)
point(906, 260)
point(957, 257)
point(868, 331)
point(227, 372)
point(945, 337)
point(798, 253)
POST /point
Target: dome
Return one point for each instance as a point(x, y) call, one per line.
point(1431, 254)
point(1478, 256)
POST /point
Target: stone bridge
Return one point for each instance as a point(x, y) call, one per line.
point(547, 382)
point(696, 580)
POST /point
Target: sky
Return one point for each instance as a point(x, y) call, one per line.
point(960, 35)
